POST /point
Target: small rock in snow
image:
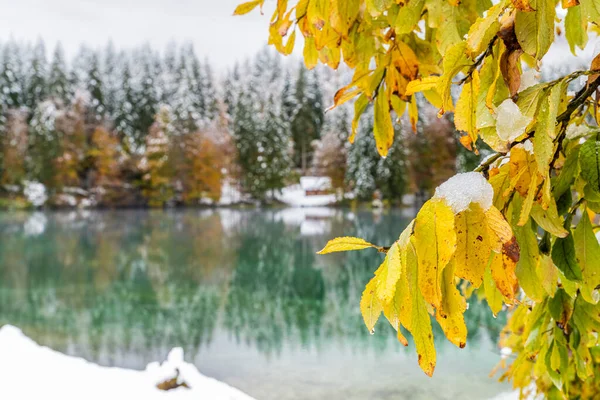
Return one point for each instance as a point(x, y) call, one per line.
point(463, 189)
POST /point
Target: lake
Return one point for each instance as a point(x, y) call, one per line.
point(242, 292)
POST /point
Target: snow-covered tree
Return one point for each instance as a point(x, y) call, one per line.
point(37, 73)
point(58, 81)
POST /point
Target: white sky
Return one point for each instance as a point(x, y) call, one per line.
point(209, 24)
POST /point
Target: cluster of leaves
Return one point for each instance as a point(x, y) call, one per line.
point(536, 231)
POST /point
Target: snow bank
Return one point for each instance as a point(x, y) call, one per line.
point(295, 196)
point(463, 189)
point(30, 371)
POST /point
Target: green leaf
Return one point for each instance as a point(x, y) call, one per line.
point(548, 219)
point(563, 255)
point(528, 262)
point(591, 9)
point(535, 30)
point(575, 28)
point(587, 251)
point(567, 174)
point(345, 244)
point(408, 16)
point(484, 29)
point(589, 163)
point(383, 130)
point(454, 61)
point(545, 131)
point(561, 307)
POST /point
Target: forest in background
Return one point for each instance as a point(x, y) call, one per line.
point(116, 128)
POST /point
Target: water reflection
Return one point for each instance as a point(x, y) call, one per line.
point(123, 287)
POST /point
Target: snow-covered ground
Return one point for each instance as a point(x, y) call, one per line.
point(295, 196)
point(31, 371)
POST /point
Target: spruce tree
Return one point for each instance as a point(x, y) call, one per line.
point(11, 78)
point(367, 172)
point(58, 81)
point(95, 87)
point(36, 89)
point(308, 116)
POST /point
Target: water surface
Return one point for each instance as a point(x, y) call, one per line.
point(241, 291)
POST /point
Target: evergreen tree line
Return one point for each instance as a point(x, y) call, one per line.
point(129, 128)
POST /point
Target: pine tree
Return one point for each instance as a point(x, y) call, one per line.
point(111, 63)
point(260, 131)
point(367, 172)
point(125, 117)
point(11, 78)
point(308, 117)
point(332, 149)
point(45, 145)
point(36, 89)
point(146, 96)
point(13, 144)
point(156, 181)
point(209, 95)
point(58, 81)
point(95, 87)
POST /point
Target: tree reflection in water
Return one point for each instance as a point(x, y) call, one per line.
point(124, 287)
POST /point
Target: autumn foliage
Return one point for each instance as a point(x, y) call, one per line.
point(520, 229)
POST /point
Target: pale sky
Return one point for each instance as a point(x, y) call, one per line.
point(209, 24)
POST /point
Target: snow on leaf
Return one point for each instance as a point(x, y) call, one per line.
point(345, 243)
point(463, 189)
point(510, 122)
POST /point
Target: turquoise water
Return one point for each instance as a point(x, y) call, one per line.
point(241, 291)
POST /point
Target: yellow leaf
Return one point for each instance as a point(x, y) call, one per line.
point(289, 46)
point(390, 274)
point(405, 59)
point(484, 29)
point(413, 113)
point(450, 314)
point(359, 107)
point(245, 8)
point(528, 262)
point(370, 307)
point(548, 274)
point(502, 270)
point(492, 293)
point(472, 244)
point(465, 115)
point(383, 130)
point(454, 61)
point(419, 85)
point(587, 251)
point(346, 243)
point(535, 29)
point(435, 243)
point(420, 324)
point(311, 55)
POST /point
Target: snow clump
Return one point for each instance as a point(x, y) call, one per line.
point(35, 193)
point(463, 189)
point(510, 122)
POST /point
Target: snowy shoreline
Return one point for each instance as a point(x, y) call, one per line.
point(31, 371)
